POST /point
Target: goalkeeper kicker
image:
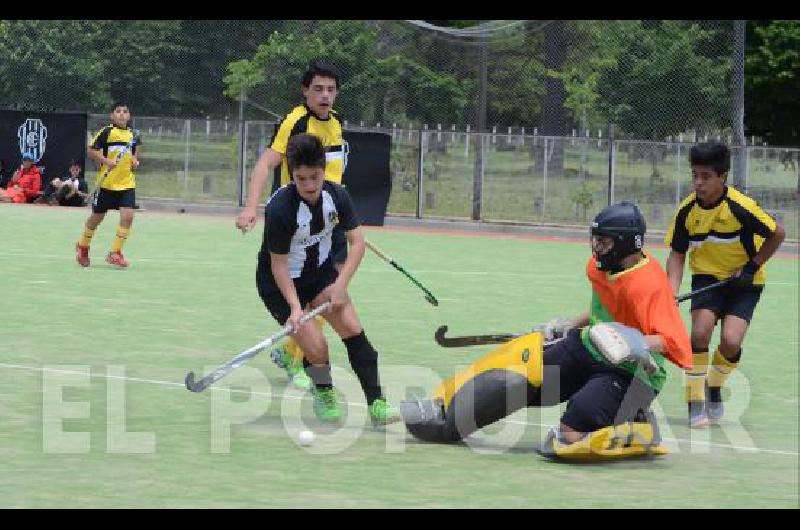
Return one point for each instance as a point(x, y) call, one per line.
point(609, 367)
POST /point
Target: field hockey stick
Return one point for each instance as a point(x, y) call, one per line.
point(702, 290)
point(117, 160)
point(225, 369)
point(480, 340)
point(428, 295)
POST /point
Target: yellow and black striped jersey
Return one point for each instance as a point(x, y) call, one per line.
point(112, 140)
point(722, 237)
point(303, 120)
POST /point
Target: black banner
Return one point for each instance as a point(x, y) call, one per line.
point(366, 174)
point(53, 138)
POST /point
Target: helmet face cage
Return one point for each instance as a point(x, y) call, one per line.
point(626, 226)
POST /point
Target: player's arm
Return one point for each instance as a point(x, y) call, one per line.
point(136, 154)
point(95, 149)
point(349, 222)
point(770, 245)
point(762, 224)
point(355, 253)
point(675, 264)
point(267, 162)
point(97, 156)
point(279, 263)
point(677, 239)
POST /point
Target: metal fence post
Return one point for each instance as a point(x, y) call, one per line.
point(186, 158)
point(420, 162)
point(240, 180)
point(611, 160)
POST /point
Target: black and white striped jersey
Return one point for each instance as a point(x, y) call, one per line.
point(304, 231)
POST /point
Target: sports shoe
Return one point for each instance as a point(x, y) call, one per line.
point(116, 259)
point(714, 407)
point(697, 415)
point(381, 412)
point(296, 373)
point(326, 407)
point(82, 255)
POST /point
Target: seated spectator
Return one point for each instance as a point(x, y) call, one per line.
point(25, 184)
point(72, 191)
point(3, 177)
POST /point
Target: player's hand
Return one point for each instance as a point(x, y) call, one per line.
point(557, 328)
point(744, 276)
point(294, 319)
point(110, 163)
point(134, 162)
point(246, 220)
point(337, 294)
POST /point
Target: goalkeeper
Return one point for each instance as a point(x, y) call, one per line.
point(608, 368)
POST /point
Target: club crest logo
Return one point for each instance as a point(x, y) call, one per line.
point(32, 138)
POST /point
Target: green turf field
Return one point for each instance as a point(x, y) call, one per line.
point(108, 351)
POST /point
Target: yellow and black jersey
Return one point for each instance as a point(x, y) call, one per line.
point(303, 120)
point(722, 237)
point(112, 140)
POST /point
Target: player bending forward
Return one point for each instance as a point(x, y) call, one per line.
point(296, 271)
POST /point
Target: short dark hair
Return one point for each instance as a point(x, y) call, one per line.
point(305, 150)
point(320, 68)
point(713, 154)
point(74, 162)
point(119, 103)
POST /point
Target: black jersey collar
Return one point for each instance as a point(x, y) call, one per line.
point(717, 202)
point(330, 113)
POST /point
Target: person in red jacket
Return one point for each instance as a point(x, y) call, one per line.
point(25, 185)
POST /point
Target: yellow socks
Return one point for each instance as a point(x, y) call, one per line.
point(122, 235)
point(696, 376)
point(86, 238)
point(721, 369)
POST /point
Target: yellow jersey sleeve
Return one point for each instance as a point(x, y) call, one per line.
point(284, 132)
point(750, 215)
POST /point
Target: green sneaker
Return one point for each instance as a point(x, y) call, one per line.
point(381, 412)
point(296, 373)
point(326, 407)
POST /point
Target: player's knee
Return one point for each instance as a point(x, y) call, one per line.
point(314, 347)
point(701, 338)
point(730, 343)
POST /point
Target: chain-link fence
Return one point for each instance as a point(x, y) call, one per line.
point(434, 173)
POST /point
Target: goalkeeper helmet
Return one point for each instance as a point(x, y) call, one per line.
point(625, 224)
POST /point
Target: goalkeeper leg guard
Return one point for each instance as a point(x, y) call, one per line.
point(627, 440)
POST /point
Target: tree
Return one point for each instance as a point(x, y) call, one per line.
point(772, 81)
point(53, 65)
point(664, 81)
point(373, 82)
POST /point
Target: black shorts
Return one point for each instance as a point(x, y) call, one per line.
point(338, 245)
point(106, 200)
point(726, 300)
point(275, 302)
point(598, 395)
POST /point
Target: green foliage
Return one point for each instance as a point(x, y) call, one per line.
point(370, 82)
point(662, 76)
point(772, 81)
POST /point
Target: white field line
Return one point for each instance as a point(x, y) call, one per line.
point(361, 405)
